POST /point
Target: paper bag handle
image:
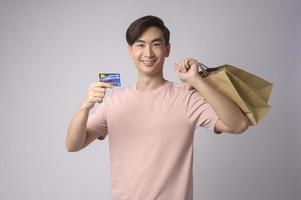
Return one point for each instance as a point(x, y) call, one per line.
point(204, 70)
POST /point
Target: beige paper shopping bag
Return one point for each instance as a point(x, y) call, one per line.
point(248, 91)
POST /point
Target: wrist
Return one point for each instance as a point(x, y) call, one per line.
point(194, 81)
point(84, 107)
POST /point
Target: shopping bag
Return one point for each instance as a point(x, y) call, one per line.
point(248, 91)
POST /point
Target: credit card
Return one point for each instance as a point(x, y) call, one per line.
point(113, 78)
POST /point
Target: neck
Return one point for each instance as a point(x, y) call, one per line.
point(149, 83)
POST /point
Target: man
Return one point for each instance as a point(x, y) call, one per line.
point(151, 124)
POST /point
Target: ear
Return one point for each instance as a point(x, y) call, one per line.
point(130, 51)
point(167, 49)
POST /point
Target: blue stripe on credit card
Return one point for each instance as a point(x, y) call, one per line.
point(113, 78)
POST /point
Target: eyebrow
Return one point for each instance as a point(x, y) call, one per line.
point(154, 40)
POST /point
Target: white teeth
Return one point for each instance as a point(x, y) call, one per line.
point(149, 62)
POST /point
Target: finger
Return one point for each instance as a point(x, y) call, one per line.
point(177, 65)
point(107, 85)
point(99, 95)
point(193, 62)
point(103, 84)
point(98, 89)
point(93, 96)
point(183, 68)
point(187, 65)
point(98, 100)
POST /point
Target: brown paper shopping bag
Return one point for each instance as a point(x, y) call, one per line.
point(248, 91)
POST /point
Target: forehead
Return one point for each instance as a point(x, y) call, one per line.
point(151, 33)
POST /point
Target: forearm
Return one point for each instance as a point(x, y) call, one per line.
point(227, 111)
point(76, 134)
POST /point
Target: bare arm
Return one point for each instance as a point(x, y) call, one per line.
point(231, 119)
point(77, 135)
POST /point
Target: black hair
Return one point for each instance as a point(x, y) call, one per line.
point(138, 26)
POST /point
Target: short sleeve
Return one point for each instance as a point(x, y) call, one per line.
point(97, 121)
point(199, 111)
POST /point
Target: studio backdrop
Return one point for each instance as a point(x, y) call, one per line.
point(50, 51)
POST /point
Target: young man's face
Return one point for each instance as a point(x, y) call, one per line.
point(149, 52)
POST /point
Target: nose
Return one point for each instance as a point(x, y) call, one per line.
point(148, 51)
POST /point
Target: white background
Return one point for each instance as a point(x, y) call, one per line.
point(51, 50)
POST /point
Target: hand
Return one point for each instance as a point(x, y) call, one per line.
point(95, 93)
point(187, 69)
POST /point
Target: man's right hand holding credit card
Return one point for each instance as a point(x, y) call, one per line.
point(97, 91)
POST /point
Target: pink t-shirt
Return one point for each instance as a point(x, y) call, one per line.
point(151, 140)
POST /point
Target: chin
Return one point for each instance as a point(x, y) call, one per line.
point(149, 70)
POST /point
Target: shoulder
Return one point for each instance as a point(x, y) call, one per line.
point(190, 94)
point(185, 89)
point(180, 87)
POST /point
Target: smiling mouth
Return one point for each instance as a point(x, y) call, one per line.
point(148, 62)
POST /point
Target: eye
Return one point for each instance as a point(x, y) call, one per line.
point(140, 45)
point(157, 44)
